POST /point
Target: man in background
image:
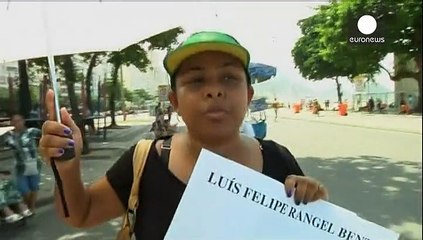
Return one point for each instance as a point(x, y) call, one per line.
point(275, 106)
point(27, 160)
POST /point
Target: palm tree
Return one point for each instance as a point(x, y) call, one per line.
point(92, 59)
point(133, 55)
point(136, 55)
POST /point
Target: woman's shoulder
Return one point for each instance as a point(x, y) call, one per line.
point(274, 147)
point(279, 158)
point(128, 155)
point(120, 174)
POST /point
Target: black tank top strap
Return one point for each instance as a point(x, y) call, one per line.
point(165, 150)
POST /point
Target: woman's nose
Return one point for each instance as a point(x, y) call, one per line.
point(214, 94)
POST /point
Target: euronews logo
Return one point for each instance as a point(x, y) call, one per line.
point(367, 31)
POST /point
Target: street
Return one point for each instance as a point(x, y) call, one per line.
point(375, 173)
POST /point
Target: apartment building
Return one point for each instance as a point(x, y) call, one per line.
point(8, 70)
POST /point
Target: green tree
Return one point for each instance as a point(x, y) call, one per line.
point(318, 55)
point(136, 55)
point(133, 55)
point(93, 60)
point(165, 40)
point(143, 94)
point(399, 22)
point(40, 66)
point(128, 95)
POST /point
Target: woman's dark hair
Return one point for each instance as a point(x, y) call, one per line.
point(173, 79)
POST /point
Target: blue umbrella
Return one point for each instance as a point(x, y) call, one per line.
point(261, 72)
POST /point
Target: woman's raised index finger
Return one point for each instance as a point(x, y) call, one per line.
point(50, 105)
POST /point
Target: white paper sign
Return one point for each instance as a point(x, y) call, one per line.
point(225, 200)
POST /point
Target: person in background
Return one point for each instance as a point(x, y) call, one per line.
point(159, 125)
point(410, 101)
point(27, 160)
point(275, 106)
point(371, 104)
point(404, 106)
point(169, 112)
point(35, 111)
point(247, 129)
point(159, 113)
point(12, 208)
point(89, 121)
point(327, 102)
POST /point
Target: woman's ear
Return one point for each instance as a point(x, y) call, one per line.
point(173, 100)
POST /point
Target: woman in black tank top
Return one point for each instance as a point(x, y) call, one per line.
point(211, 91)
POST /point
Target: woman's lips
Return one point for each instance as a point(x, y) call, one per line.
point(216, 112)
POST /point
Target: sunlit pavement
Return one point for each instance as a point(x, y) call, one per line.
point(374, 172)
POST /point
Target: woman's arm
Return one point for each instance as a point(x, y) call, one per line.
point(87, 206)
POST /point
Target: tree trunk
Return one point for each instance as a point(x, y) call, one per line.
point(88, 80)
point(12, 107)
point(417, 38)
point(418, 107)
point(25, 103)
point(112, 98)
point(338, 90)
point(70, 77)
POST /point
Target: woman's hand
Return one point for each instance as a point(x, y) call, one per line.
point(58, 136)
point(305, 189)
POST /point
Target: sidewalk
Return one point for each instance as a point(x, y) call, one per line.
point(101, 157)
point(388, 122)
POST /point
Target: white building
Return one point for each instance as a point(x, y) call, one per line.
point(8, 70)
point(150, 80)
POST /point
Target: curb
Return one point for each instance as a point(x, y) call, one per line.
point(355, 125)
